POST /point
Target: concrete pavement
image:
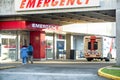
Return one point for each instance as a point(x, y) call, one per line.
point(100, 73)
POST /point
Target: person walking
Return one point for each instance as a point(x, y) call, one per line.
point(30, 53)
point(24, 54)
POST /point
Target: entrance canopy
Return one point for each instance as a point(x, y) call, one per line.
point(60, 12)
point(89, 22)
point(67, 22)
point(74, 17)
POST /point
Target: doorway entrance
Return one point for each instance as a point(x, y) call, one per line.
point(49, 47)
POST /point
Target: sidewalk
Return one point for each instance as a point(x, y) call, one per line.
point(17, 63)
point(7, 65)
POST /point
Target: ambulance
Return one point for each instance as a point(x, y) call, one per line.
point(99, 47)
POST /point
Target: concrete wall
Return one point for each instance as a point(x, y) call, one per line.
point(68, 45)
point(107, 29)
point(7, 7)
point(78, 42)
point(118, 32)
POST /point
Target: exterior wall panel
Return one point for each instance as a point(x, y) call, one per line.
point(118, 33)
point(7, 7)
point(107, 29)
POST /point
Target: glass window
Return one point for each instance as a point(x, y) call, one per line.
point(8, 45)
point(89, 45)
point(60, 36)
point(95, 46)
point(4, 41)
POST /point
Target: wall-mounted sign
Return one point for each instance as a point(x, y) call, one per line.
point(25, 5)
point(27, 25)
point(35, 25)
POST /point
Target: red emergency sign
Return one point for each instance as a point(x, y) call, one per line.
point(49, 3)
point(53, 4)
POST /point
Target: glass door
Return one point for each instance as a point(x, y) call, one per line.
point(24, 38)
point(49, 47)
point(0, 45)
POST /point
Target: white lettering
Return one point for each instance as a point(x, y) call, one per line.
point(34, 25)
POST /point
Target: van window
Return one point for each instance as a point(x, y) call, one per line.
point(95, 45)
point(89, 45)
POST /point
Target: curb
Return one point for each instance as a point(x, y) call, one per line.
point(7, 67)
point(100, 73)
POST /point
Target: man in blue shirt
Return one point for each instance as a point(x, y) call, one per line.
point(30, 53)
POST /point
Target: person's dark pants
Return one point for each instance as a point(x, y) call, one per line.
point(30, 58)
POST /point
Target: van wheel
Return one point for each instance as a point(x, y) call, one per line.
point(89, 59)
point(109, 55)
point(107, 59)
point(101, 59)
